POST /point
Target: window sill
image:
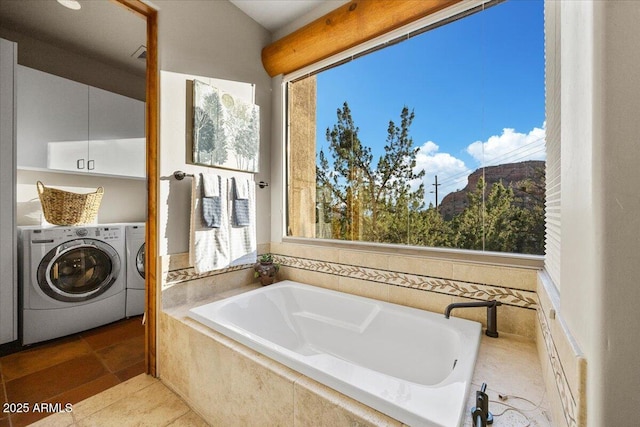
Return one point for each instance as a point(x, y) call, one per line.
point(535, 262)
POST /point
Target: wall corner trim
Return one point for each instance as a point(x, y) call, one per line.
point(562, 354)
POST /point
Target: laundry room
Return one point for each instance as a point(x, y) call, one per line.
point(79, 80)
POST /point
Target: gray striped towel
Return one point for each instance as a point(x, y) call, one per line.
point(212, 211)
point(211, 205)
point(240, 213)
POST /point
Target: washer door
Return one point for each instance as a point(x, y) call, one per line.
point(140, 261)
point(78, 270)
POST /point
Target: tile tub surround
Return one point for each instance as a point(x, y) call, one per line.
point(203, 366)
point(412, 281)
point(229, 384)
point(417, 281)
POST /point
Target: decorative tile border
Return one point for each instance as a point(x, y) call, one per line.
point(567, 399)
point(514, 297)
point(479, 291)
point(186, 274)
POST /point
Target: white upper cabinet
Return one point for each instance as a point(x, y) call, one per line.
point(116, 134)
point(52, 121)
point(113, 116)
point(68, 126)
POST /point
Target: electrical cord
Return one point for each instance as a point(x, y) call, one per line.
point(504, 397)
point(528, 424)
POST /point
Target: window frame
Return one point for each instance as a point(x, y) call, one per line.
point(442, 17)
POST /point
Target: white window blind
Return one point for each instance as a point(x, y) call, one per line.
point(553, 119)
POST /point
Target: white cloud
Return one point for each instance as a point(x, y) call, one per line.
point(452, 172)
point(510, 147)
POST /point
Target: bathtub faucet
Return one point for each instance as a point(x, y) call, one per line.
point(492, 311)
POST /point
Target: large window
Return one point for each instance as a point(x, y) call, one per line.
point(435, 140)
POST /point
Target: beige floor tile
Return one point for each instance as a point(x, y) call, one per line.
point(98, 402)
point(61, 419)
point(190, 419)
point(151, 406)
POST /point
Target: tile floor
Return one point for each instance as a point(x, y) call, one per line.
point(70, 369)
point(140, 401)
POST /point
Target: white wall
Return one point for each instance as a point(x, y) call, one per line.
point(124, 200)
point(580, 187)
point(320, 10)
point(618, 106)
point(601, 201)
point(212, 39)
point(47, 57)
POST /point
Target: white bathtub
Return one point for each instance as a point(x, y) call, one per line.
point(412, 365)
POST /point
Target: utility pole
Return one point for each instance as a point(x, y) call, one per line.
point(436, 185)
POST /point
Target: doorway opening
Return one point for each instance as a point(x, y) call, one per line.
point(62, 272)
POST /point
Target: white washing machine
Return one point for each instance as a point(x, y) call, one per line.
point(135, 246)
point(73, 279)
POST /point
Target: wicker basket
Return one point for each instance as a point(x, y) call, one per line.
point(67, 208)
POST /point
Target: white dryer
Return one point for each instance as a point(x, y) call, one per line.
point(73, 279)
point(135, 248)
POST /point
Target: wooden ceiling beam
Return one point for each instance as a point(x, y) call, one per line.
point(347, 26)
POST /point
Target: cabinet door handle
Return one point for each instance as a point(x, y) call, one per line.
point(80, 164)
point(91, 165)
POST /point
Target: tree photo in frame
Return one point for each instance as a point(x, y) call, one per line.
point(226, 129)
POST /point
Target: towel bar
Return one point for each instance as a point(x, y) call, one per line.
point(179, 175)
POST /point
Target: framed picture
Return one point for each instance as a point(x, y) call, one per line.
point(226, 129)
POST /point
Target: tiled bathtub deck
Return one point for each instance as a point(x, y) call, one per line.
point(509, 365)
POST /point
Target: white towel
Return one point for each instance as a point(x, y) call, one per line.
point(209, 248)
point(243, 239)
point(242, 188)
point(211, 188)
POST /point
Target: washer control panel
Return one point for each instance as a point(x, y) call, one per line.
point(106, 233)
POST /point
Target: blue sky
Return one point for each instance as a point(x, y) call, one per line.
point(476, 87)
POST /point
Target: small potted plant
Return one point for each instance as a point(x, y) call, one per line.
point(265, 269)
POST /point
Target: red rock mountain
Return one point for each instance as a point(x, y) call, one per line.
point(509, 173)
